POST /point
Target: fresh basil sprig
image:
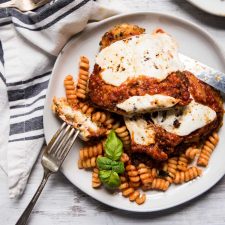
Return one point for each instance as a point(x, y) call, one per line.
point(105, 163)
point(109, 178)
point(118, 167)
point(113, 146)
point(109, 166)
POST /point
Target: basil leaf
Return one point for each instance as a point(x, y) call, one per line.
point(113, 146)
point(118, 167)
point(109, 178)
point(104, 163)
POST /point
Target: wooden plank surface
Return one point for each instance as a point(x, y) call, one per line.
point(62, 203)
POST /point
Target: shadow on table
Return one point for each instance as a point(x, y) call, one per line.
point(205, 18)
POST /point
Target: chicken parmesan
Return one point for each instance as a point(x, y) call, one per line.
point(143, 68)
point(160, 134)
point(147, 120)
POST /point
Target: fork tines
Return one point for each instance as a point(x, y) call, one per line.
point(62, 141)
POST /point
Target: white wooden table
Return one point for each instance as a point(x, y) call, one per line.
point(62, 203)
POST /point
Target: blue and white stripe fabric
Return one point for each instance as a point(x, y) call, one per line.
point(29, 45)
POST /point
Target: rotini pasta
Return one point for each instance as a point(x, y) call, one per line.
point(141, 199)
point(134, 179)
point(145, 175)
point(154, 172)
point(96, 182)
point(123, 179)
point(124, 158)
point(160, 184)
point(99, 117)
point(91, 151)
point(132, 173)
point(86, 108)
point(172, 166)
point(87, 163)
point(83, 78)
point(116, 125)
point(70, 90)
point(191, 153)
point(190, 174)
point(124, 135)
point(134, 195)
point(207, 150)
point(165, 169)
point(103, 118)
point(182, 163)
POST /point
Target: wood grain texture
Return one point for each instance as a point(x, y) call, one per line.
point(62, 203)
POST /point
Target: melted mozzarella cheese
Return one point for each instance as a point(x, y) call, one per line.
point(141, 132)
point(153, 55)
point(183, 122)
point(146, 103)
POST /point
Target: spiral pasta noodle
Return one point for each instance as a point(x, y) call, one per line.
point(124, 158)
point(145, 176)
point(124, 135)
point(165, 169)
point(87, 163)
point(160, 184)
point(191, 153)
point(83, 78)
point(134, 178)
point(134, 195)
point(103, 118)
point(207, 150)
point(115, 125)
point(154, 172)
point(70, 90)
point(96, 182)
point(182, 163)
point(99, 117)
point(190, 174)
point(86, 108)
point(91, 151)
point(172, 166)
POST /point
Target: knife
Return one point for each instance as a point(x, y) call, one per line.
point(204, 73)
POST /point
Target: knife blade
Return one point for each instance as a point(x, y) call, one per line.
point(203, 72)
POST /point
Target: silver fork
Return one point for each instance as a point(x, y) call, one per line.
point(24, 5)
point(52, 158)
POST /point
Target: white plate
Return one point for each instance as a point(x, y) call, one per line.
point(216, 7)
point(194, 42)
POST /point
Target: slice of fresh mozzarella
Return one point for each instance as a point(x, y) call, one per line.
point(140, 131)
point(185, 120)
point(146, 103)
point(152, 55)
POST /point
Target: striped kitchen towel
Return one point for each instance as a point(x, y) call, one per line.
point(29, 45)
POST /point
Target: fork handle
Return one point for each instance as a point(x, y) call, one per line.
point(24, 217)
point(7, 4)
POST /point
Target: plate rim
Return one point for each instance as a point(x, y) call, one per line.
point(207, 10)
point(93, 26)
